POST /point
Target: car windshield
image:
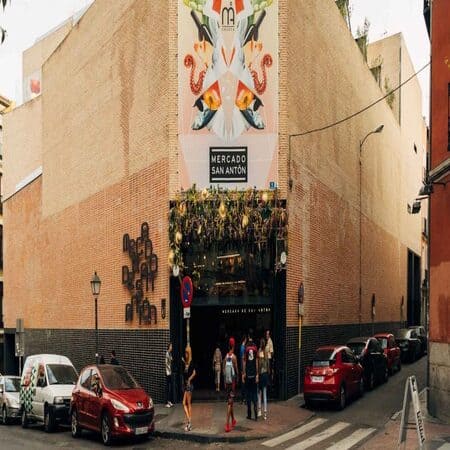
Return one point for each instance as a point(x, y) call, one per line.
point(322, 358)
point(117, 378)
point(12, 384)
point(383, 342)
point(402, 334)
point(61, 374)
point(357, 347)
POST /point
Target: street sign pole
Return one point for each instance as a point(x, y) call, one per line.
point(187, 291)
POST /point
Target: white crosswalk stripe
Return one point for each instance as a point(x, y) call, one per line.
point(353, 439)
point(319, 437)
point(294, 433)
point(320, 430)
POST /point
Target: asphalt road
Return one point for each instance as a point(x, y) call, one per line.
point(374, 410)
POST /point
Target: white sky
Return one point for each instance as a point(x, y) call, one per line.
point(25, 20)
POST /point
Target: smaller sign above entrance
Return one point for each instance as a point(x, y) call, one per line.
point(187, 292)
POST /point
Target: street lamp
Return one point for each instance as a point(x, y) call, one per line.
point(379, 129)
point(95, 287)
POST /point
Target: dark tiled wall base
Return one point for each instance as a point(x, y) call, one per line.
point(316, 336)
point(291, 361)
point(142, 352)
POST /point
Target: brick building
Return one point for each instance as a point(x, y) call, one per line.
point(137, 106)
point(438, 22)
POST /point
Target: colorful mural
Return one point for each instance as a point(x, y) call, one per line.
point(228, 85)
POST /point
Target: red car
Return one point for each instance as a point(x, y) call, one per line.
point(335, 375)
point(391, 350)
point(108, 400)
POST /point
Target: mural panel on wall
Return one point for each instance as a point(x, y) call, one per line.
point(228, 93)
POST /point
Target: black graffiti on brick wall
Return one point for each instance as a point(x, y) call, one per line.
point(140, 276)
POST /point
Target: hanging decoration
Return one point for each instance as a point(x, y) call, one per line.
point(218, 215)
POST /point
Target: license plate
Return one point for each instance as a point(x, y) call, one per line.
point(141, 430)
point(317, 379)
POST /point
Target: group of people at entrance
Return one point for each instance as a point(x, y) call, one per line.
point(253, 370)
point(255, 364)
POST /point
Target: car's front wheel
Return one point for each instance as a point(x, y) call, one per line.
point(74, 425)
point(106, 430)
point(24, 419)
point(370, 380)
point(361, 387)
point(342, 400)
point(4, 415)
point(386, 374)
point(49, 420)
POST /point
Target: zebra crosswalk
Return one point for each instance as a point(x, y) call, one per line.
point(321, 433)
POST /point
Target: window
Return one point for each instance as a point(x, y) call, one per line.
point(85, 379)
point(373, 346)
point(392, 342)
point(383, 342)
point(348, 356)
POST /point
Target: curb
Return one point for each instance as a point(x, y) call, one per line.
point(205, 438)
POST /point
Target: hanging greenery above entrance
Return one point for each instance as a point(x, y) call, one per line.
point(229, 219)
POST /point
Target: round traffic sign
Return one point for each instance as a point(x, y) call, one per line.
point(187, 292)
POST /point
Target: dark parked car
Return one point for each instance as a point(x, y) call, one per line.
point(391, 350)
point(422, 335)
point(108, 400)
point(372, 358)
point(409, 343)
point(334, 374)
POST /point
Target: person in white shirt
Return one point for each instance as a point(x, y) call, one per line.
point(269, 351)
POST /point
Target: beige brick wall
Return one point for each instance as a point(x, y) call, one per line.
point(327, 79)
point(112, 98)
point(35, 56)
point(22, 149)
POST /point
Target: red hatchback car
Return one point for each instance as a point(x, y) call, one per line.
point(335, 375)
point(391, 350)
point(108, 400)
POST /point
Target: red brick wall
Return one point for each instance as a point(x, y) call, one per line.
point(50, 261)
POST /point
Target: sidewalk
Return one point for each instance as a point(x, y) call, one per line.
point(437, 433)
point(208, 421)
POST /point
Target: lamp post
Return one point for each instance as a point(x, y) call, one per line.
point(379, 129)
point(95, 287)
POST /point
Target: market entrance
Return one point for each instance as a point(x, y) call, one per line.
point(232, 245)
point(214, 325)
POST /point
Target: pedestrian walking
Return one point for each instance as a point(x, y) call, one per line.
point(169, 376)
point(250, 375)
point(188, 377)
point(114, 359)
point(230, 375)
point(217, 366)
point(264, 373)
point(241, 362)
point(269, 350)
